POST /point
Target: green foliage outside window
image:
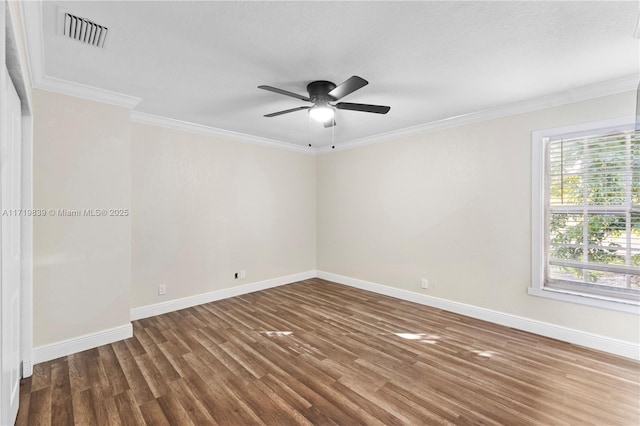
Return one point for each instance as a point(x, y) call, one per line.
point(594, 174)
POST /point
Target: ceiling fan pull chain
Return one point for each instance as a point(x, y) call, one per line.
point(333, 137)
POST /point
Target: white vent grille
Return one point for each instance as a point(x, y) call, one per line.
point(84, 30)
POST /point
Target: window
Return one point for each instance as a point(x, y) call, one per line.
point(586, 219)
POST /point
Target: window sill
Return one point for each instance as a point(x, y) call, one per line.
point(590, 300)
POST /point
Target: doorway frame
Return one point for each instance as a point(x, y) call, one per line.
point(16, 62)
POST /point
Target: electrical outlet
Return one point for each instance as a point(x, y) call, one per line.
point(425, 283)
point(243, 274)
point(162, 289)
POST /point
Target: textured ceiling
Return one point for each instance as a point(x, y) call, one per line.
point(201, 61)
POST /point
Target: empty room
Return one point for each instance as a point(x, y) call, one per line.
point(320, 213)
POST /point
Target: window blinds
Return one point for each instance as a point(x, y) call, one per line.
point(592, 214)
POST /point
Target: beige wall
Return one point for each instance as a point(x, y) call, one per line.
point(201, 210)
point(82, 270)
point(453, 206)
point(205, 208)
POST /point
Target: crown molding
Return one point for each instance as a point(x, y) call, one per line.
point(611, 87)
point(31, 13)
point(156, 120)
point(66, 87)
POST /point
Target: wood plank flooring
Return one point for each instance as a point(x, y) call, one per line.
point(320, 353)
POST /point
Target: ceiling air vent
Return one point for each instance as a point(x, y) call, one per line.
point(84, 30)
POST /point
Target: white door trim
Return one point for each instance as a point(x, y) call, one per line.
point(26, 234)
point(21, 78)
point(11, 283)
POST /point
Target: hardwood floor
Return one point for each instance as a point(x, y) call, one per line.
point(320, 353)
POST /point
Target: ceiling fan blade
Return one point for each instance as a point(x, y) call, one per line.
point(285, 92)
point(349, 86)
point(330, 123)
point(378, 109)
point(286, 111)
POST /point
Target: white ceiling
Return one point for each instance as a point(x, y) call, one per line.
point(201, 61)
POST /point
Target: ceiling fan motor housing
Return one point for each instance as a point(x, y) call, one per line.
point(319, 91)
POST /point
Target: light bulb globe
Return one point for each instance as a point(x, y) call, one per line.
point(321, 113)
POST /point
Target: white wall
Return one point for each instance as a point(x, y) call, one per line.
point(201, 208)
point(453, 206)
point(82, 272)
point(450, 205)
point(205, 208)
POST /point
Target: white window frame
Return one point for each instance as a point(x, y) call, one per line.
point(538, 201)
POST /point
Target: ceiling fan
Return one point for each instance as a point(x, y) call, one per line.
point(322, 94)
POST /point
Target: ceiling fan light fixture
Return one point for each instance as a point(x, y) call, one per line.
point(322, 93)
point(321, 113)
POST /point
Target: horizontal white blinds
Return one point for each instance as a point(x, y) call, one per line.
point(593, 212)
point(594, 171)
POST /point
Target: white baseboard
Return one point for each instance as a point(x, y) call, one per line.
point(81, 343)
point(27, 368)
point(199, 299)
point(590, 340)
point(88, 341)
